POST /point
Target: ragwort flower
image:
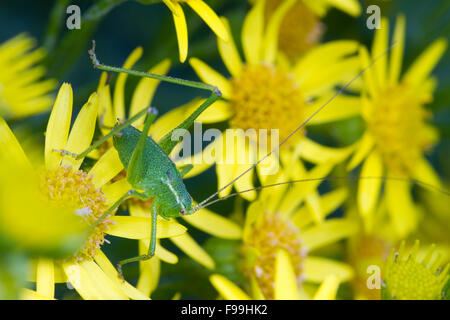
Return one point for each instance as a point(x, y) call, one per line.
point(268, 93)
point(22, 92)
point(64, 183)
point(397, 134)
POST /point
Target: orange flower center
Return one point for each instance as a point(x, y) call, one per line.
point(74, 187)
point(266, 98)
point(270, 235)
point(396, 120)
point(300, 30)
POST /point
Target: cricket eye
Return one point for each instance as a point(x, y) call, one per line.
point(183, 212)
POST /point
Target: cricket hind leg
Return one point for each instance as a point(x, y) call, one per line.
point(151, 247)
point(150, 111)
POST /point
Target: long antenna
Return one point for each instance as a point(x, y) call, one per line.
point(415, 181)
point(297, 129)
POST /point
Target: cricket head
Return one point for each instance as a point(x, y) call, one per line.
point(181, 206)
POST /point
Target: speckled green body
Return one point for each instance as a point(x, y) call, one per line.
point(158, 178)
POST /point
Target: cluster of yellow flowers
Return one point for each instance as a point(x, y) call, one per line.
point(291, 244)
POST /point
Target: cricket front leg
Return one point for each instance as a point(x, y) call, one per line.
point(151, 247)
point(150, 111)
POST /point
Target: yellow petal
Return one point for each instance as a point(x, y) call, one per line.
point(164, 254)
point(105, 109)
point(285, 279)
point(256, 290)
point(225, 165)
point(211, 76)
point(317, 153)
point(424, 64)
point(91, 282)
point(214, 224)
point(351, 7)
point(11, 148)
point(229, 53)
point(368, 75)
point(317, 269)
point(181, 29)
point(193, 250)
point(106, 266)
point(82, 132)
point(119, 89)
point(145, 90)
point(424, 172)
point(396, 57)
point(28, 294)
point(342, 107)
point(252, 33)
point(312, 203)
point(328, 203)
point(171, 5)
point(115, 190)
point(401, 207)
point(369, 189)
point(245, 182)
point(227, 289)
point(58, 126)
point(328, 289)
point(218, 112)
point(270, 41)
point(139, 228)
point(210, 17)
point(106, 168)
point(58, 273)
point(168, 121)
point(102, 81)
point(364, 146)
point(328, 232)
point(148, 276)
point(380, 45)
point(199, 165)
point(45, 278)
point(323, 56)
point(327, 78)
point(137, 210)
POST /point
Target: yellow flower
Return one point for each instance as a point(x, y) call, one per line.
point(279, 236)
point(268, 93)
point(204, 11)
point(285, 287)
point(22, 93)
point(301, 28)
point(112, 109)
point(59, 233)
point(64, 183)
point(414, 275)
point(397, 134)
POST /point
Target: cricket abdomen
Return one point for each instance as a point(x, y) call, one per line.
point(158, 175)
